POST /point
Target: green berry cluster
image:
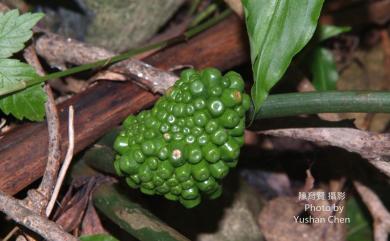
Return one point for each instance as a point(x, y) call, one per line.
point(186, 144)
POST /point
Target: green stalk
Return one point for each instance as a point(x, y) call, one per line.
point(204, 14)
point(194, 6)
point(292, 104)
point(104, 62)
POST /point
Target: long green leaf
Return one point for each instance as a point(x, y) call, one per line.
point(323, 69)
point(277, 29)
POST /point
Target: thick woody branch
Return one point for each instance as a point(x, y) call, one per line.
point(33, 221)
point(372, 146)
point(380, 214)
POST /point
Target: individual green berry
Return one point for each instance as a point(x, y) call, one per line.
point(201, 117)
point(197, 88)
point(215, 107)
point(236, 81)
point(183, 173)
point(190, 109)
point(157, 181)
point(188, 184)
point(165, 170)
point(121, 144)
point(203, 139)
point(215, 91)
point(138, 155)
point(171, 197)
point(246, 102)
point(148, 185)
point(145, 174)
point(230, 150)
point(147, 191)
point(131, 183)
point(229, 118)
point(219, 170)
point(185, 75)
point(135, 178)
point(163, 153)
point(148, 147)
point(194, 154)
point(176, 190)
point(152, 162)
point(129, 121)
point(207, 185)
point(163, 189)
point(216, 194)
point(211, 126)
point(191, 193)
point(190, 139)
point(179, 110)
point(211, 152)
point(199, 103)
point(128, 165)
point(231, 97)
point(117, 168)
point(200, 171)
point(176, 157)
point(219, 137)
point(172, 182)
point(190, 203)
point(211, 77)
point(238, 130)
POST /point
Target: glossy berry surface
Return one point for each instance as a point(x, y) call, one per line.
point(186, 144)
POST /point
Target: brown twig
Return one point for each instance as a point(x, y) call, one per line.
point(372, 146)
point(59, 51)
point(380, 214)
point(66, 163)
point(2, 123)
point(54, 152)
point(46, 187)
point(22, 215)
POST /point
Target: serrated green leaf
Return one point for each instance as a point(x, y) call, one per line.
point(15, 30)
point(325, 32)
point(323, 69)
point(28, 103)
point(98, 237)
point(277, 29)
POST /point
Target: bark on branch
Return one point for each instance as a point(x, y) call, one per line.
point(372, 146)
point(41, 225)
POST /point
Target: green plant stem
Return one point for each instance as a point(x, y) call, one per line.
point(104, 62)
point(204, 14)
point(193, 7)
point(292, 104)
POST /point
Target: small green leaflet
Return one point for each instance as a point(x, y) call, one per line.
point(278, 30)
point(15, 30)
point(323, 68)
